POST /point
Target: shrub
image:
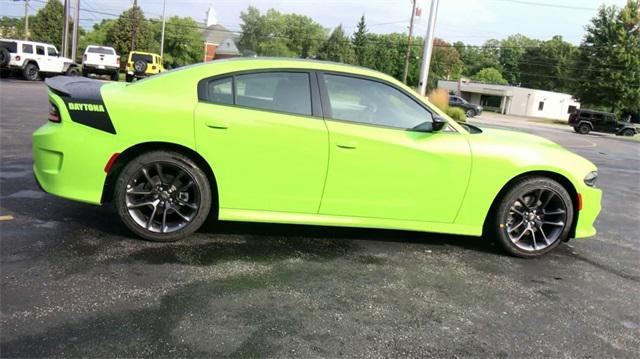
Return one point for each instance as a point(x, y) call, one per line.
point(440, 98)
point(457, 114)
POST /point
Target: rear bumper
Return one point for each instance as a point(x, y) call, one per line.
point(95, 69)
point(591, 206)
point(69, 158)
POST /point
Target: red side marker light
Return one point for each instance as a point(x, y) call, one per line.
point(54, 114)
point(111, 161)
point(579, 202)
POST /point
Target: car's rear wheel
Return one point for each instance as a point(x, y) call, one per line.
point(628, 132)
point(73, 71)
point(533, 217)
point(128, 78)
point(30, 72)
point(115, 76)
point(471, 113)
point(163, 196)
point(584, 128)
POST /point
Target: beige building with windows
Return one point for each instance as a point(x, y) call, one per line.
point(512, 100)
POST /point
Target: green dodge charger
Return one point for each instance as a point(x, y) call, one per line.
point(306, 142)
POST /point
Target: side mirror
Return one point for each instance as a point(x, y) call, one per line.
point(437, 124)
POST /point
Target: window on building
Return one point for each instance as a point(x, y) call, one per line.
point(540, 105)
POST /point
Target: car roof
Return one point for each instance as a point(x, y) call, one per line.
point(143, 53)
point(258, 63)
point(594, 111)
point(102, 46)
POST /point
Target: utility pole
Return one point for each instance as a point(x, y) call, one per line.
point(164, 5)
point(406, 58)
point(134, 24)
point(65, 29)
point(74, 37)
point(26, 19)
point(428, 47)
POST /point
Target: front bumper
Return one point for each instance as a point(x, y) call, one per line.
point(591, 206)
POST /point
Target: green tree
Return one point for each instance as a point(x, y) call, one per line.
point(337, 48)
point(13, 28)
point(97, 36)
point(276, 34)
point(131, 29)
point(490, 75)
point(477, 58)
point(360, 42)
point(182, 41)
point(512, 51)
point(445, 63)
point(608, 67)
point(547, 66)
point(48, 23)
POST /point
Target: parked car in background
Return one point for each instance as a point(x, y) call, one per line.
point(469, 109)
point(101, 60)
point(584, 121)
point(143, 64)
point(34, 60)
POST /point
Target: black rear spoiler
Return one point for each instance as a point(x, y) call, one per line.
point(75, 86)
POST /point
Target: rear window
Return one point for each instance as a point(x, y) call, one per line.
point(101, 50)
point(9, 45)
point(143, 57)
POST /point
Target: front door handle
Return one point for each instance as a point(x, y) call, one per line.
point(219, 124)
point(349, 145)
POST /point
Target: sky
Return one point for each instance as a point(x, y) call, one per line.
point(470, 21)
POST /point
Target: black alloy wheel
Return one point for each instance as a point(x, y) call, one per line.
point(163, 196)
point(534, 217)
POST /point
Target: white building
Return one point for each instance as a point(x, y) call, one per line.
point(511, 100)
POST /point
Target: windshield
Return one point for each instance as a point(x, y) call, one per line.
point(142, 57)
point(101, 50)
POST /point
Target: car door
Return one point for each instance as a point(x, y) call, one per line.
point(381, 168)
point(265, 138)
point(41, 57)
point(53, 60)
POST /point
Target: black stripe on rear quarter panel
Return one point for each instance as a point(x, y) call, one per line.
point(92, 113)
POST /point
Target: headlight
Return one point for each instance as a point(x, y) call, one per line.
point(590, 179)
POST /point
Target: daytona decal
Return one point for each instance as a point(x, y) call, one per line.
point(92, 113)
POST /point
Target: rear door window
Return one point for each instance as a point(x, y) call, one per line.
point(40, 50)
point(276, 91)
point(221, 91)
point(27, 48)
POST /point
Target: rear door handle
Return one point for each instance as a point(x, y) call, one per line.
point(219, 124)
point(347, 144)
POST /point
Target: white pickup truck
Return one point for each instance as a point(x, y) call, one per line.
point(101, 60)
point(33, 60)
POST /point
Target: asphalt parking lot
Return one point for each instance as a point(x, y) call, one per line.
point(75, 282)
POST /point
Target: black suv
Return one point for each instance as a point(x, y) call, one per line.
point(469, 109)
point(584, 121)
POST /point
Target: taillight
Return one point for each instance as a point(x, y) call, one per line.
point(54, 114)
point(118, 60)
point(17, 57)
point(84, 57)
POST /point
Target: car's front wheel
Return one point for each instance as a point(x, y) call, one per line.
point(163, 196)
point(471, 112)
point(533, 217)
point(628, 132)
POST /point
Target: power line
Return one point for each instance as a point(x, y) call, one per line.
point(558, 6)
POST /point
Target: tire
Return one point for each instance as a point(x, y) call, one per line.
point(471, 113)
point(628, 132)
point(140, 66)
point(140, 196)
point(115, 76)
point(30, 72)
point(85, 73)
point(128, 78)
point(584, 128)
point(73, 71)
point(545, 219)
point(4, 74)
point(5, 56)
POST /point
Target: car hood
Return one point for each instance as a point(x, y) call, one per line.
point(514, 138)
